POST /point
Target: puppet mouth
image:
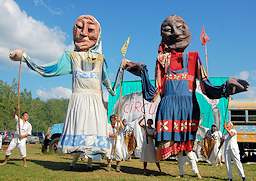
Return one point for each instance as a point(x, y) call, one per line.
point(83, 45)
point(175, 39)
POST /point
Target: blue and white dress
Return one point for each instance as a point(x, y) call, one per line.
point(85, 127)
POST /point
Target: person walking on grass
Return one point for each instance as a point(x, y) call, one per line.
point(148, 153)
point(23, 130)
point(231, 151)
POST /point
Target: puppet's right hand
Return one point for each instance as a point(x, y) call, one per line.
point(17, 55)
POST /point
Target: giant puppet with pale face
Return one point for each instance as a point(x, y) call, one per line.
point(86, 32)
point(85, 128)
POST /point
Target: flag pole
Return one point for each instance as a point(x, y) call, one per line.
point(206, 58)
point(204, 39)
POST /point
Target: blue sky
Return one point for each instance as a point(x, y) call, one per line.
point(44, 29)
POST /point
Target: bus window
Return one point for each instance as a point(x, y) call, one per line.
point(238, 116)
point(252, 115)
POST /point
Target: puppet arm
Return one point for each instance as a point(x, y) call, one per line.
point(230, 87)
point(105, 80)
point(61, 67)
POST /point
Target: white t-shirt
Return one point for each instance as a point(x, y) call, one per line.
point(231, 141)
point(25, 127)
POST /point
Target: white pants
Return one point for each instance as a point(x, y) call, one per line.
point(191, 158)
point(233, 154)
point(20, 144)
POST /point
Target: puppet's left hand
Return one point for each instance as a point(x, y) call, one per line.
point(234, 86)
point(17, 55)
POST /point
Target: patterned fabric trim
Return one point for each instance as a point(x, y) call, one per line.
point(182, 76)
point(166, 150)
point(85, 75)
point(85, 140)
point(177, 126)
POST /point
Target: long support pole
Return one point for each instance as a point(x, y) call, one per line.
point(18, 101)
point(206, 58)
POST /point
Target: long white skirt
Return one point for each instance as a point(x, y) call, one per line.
point(85, 127)
point(119, 151)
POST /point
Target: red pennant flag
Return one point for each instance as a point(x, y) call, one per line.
point(204, 37)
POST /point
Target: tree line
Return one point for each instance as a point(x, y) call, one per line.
point(42, 114)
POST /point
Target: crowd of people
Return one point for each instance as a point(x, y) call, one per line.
point(120, 134)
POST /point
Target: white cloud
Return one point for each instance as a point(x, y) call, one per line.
point(249, 76)
point(251, 93)
point(244, 75)
point(54, 93)
point(18, 30)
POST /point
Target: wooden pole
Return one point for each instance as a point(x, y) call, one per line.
point(206, 59)
point(18, 101)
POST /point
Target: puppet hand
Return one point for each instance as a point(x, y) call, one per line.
point(155, 97)
point(235, 86)
point(124, 63)
point(111, 92)
point(134, 68)
point(17, 55)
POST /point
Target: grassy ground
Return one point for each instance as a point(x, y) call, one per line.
point(56, 167)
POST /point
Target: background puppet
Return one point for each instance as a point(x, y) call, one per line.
point(85, 127)
point(178, 112)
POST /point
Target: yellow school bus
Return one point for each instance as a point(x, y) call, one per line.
point(243, 116)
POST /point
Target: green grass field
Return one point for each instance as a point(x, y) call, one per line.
point(56, 167)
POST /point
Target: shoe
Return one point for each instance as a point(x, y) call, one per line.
point(25, 163)
point(109, 167)
point(180, 176)
point(243, 178)
point(199, 176)
point(3, 163)
point(118, 168)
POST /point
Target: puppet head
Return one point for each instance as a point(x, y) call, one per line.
point(86, 33)
point(175, 33)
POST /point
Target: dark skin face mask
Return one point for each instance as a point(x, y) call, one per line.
point(175, 33)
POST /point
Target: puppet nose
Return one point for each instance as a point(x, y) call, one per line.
point(84, 32)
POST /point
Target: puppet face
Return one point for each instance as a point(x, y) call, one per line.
point(175, 33)
point(86, 32)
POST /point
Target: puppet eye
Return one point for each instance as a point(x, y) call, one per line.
point(90, 30)
point(79, 26)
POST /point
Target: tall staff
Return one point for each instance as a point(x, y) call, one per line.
point(119, 79)
point(204, 39)
point(18, 101)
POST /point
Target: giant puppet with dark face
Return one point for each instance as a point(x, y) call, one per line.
point(175, 33)
point(178, 112)
point(85, 127)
